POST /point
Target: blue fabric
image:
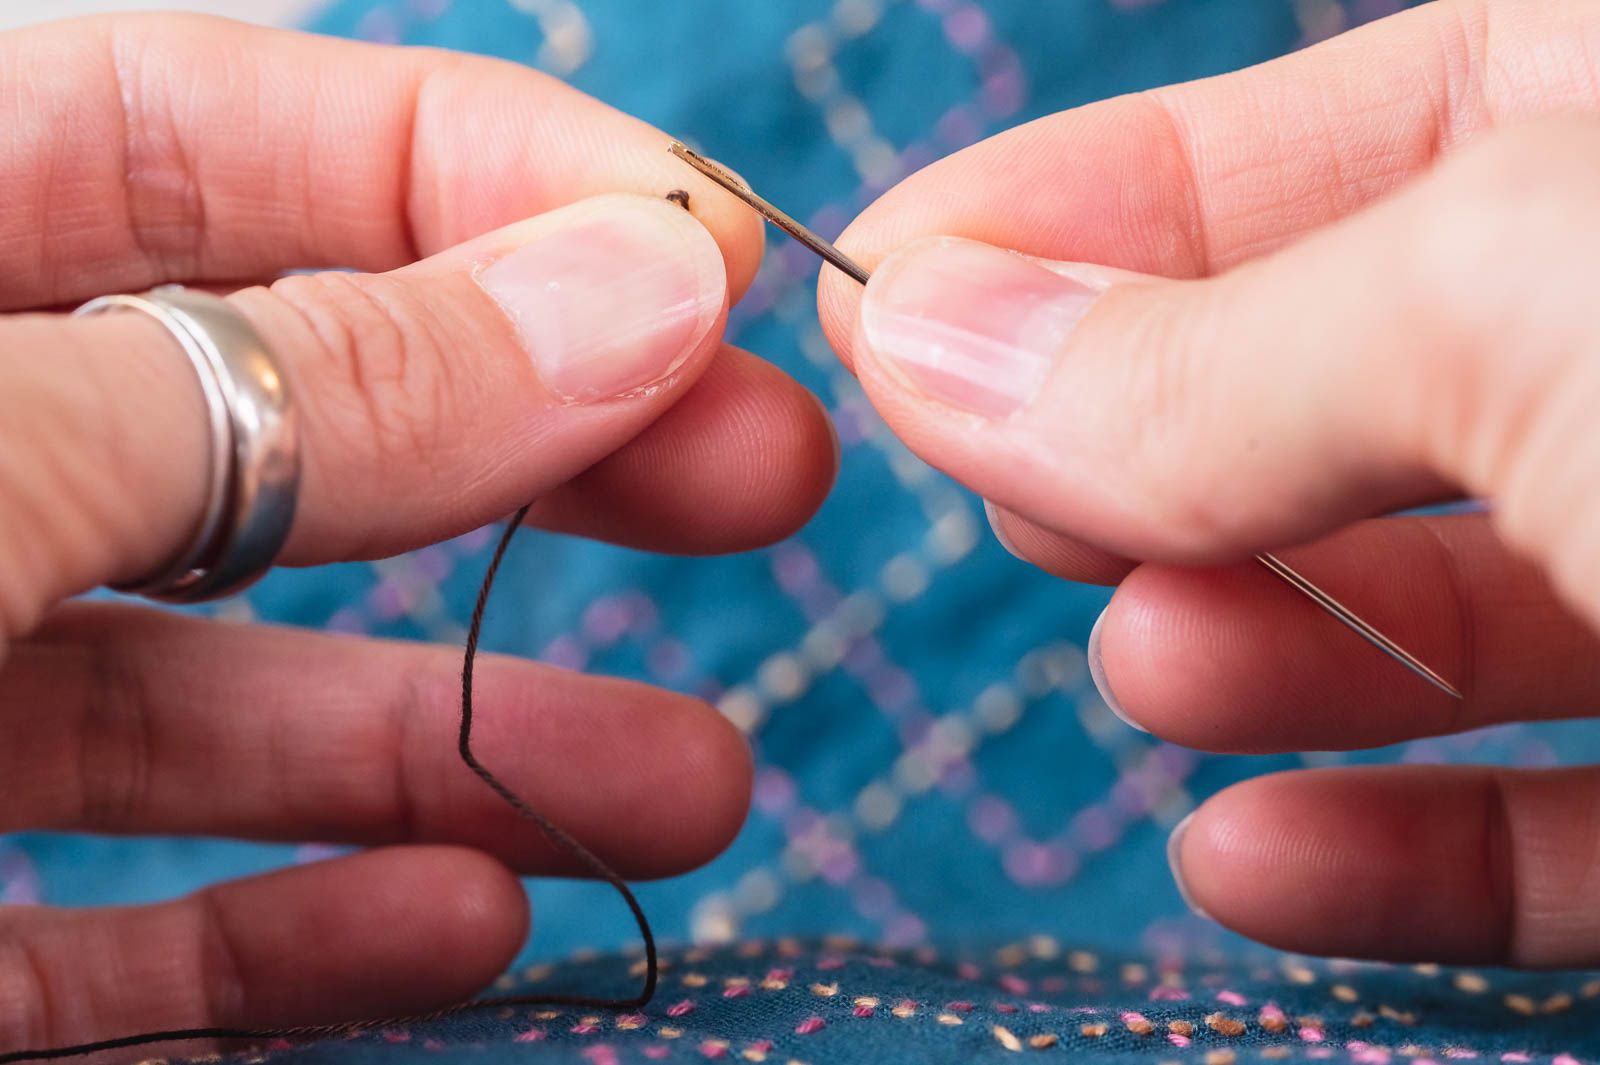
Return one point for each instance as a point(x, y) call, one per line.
point(952, 780)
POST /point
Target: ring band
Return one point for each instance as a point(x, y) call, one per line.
point(254, 474)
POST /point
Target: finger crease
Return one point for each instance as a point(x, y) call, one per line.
point(1189, 184)
point(1500, 867)
point(222, 981)
point(26, 1005)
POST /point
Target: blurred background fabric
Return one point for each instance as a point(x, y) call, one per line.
point(935, 771)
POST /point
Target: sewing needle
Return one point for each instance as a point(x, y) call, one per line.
point(852, 269)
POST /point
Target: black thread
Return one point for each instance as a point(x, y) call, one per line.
point(585, 857)
point(679, 197)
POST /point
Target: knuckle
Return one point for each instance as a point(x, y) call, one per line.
point(222, 980)
point(164, 197)
point(114, 743)
point(26, 1009)
point(381, 370)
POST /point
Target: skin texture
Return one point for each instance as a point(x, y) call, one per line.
point(142, 150)
point(1344, 283)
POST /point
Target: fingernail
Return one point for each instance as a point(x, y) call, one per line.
point(992, 512)
point(1097, 673)
point(610, 295)
point(1175, 863)
point(971, 326)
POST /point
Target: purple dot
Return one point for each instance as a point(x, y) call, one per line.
point(906, 930)
point(967, 28)
point(606, 620)
point(958, 126)
point(1003, 94)
point(774, 792)
point(991, 819)
point(380, 26)
point(565, 652)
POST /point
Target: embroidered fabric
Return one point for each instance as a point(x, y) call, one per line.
point(902, 678)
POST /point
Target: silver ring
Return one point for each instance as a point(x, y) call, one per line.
point(254, 472)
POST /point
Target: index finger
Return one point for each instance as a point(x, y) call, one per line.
point(141, 149)
point(1186, 181)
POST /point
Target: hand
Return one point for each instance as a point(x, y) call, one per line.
point(435, 397)
point(1353, 280)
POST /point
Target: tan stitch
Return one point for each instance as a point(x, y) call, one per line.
point(1043, 1041)
point(1405, 1017)
point(1222, 1024)
point(1006, 1038)
point(1556, 1003)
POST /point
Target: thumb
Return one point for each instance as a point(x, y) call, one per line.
point(1420, 347)
point(432, 399)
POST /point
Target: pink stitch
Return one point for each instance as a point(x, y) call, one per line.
point(585, 1029)
point(657, 1051)
point(1168, 994)
point(432, 1044)
point(829, 964)
point(1311, 1034)
point(1005, 1007)
point(959, 1007)
point(1563, 1059)
point(780, 974)
point(862, 1011)
point(396, 1035)
point(1232, 998)
point(736, 991)
point(761, 1046)
point(1320, 1053)
point(968, 971)
point(712, 1049)
point(678, 1009)
point(1517, 1057)
point(602, 1054)
point(1014, 984)
point(1038, 1007)
point(1178, 1040)
point(809, 1025)
point(1460, 1053)
point(532, 1035)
